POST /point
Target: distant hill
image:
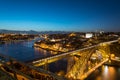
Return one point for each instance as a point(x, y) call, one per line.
point(31, 32)
point(18, 32)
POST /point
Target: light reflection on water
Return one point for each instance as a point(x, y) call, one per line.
point(105, 73)
point(23, 50)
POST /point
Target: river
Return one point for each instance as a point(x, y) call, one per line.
point(24, 51)
point(105, 73)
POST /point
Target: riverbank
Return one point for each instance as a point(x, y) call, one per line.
point(112, 63)
point(49, 47)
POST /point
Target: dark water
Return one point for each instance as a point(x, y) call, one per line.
point(105, 73)
point(24, 51)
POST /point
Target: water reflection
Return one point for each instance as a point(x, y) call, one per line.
point(109, 73)
point(44, 52)
point(39, 50)
point(105, 68)
point(23, 50)
point(105, 73)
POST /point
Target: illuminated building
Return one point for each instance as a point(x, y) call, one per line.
point(88, 35)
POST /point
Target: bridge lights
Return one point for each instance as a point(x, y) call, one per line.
point(106, 56)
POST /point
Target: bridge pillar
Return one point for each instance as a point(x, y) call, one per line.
point(80, 66)
point(46, 66)
point(70, 64)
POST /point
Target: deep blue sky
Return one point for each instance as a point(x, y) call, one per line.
point(63, 15)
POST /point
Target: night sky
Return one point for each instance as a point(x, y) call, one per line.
point(60, 15)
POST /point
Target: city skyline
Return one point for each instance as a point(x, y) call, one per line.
point(60, 15)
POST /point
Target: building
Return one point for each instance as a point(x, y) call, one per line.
point(88, 35)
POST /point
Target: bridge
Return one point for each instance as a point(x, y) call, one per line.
point(11, 69)
point(54, 58)
point(84, 65)
point(82, 68)
point(78, 70)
